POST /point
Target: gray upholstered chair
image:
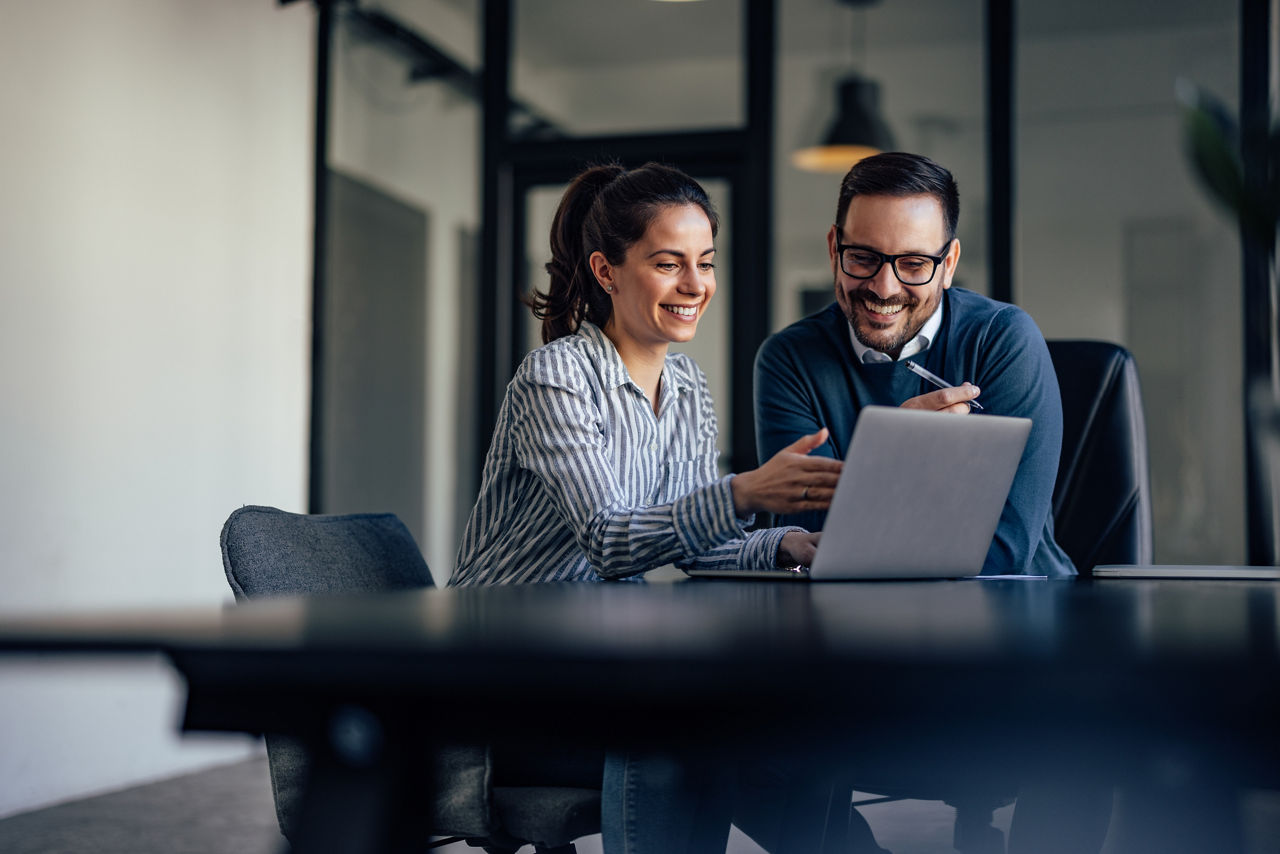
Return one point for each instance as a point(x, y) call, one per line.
point(265, 552)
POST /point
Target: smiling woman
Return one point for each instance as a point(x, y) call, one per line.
point(604, 458)
point(603, 214)
point(659, 290)
point(603, 462)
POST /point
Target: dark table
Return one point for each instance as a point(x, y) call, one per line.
point(1143, 682)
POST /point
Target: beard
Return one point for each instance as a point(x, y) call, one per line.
point(885, 340)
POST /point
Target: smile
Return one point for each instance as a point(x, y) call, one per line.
point(884, 310)
point(682, 310)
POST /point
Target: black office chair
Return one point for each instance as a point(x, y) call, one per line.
point(267, 552)
point(1101, 515)
point(1102, 500)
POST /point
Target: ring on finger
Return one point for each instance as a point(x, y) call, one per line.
point(804, 496)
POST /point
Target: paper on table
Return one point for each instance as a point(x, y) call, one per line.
point(1000, 577)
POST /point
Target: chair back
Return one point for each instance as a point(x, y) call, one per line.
point(1102, 500)
point(269, 552)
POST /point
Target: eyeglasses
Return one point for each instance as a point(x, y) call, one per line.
point(911, 269)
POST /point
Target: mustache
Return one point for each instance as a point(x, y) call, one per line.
point(905, 300)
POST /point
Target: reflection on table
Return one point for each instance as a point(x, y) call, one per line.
point(1167, 687)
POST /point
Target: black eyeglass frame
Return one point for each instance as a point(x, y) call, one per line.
point(892, 261)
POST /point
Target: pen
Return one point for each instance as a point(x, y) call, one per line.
point(936, 380)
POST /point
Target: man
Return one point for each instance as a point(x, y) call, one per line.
point(893, 252)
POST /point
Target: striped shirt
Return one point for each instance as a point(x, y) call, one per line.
point(584, 483)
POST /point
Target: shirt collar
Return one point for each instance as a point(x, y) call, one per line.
point(677, 374)
point(613, 372)
point(921, 342)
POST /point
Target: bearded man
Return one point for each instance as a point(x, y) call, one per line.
point(893, 252)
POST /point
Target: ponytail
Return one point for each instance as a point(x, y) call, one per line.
point(606, 209)
point(572, 294)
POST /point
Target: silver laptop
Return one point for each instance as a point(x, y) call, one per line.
point(920, 496)
point(1271, 573)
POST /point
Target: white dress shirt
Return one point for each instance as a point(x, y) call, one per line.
point(916, 345)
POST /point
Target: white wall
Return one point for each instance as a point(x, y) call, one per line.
point(154, 331)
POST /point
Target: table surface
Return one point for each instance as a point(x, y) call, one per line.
point(1157, 685)
point(1049, 652)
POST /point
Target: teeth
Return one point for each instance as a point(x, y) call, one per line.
point(885, 309)
point(682, 310)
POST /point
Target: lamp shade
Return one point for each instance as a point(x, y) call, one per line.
point(858, 131)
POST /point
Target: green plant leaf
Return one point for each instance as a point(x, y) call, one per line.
point(1213, 144)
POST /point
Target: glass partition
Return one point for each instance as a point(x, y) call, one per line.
point(403, 217)
point(1116, 240)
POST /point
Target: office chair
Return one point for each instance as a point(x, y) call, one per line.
point(1101, 514)
point(1102, 500)
point(265, 552)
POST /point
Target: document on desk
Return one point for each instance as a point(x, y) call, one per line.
point(1007, 577)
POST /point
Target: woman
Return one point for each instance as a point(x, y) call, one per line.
point(603, 462)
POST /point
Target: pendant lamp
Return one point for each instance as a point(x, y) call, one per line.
point(857, 132)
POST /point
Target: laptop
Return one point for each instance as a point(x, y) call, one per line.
point(1188, 571)
point(919, 497)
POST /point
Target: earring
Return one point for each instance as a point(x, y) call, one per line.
point(609, 288)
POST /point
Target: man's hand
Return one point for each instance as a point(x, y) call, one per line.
point(790, 482)
point(797, 549)
point(953, 400)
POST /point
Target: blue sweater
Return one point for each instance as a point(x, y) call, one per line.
point(807, 377)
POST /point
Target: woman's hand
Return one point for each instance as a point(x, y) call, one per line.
point(790, 482)
point(797, 549)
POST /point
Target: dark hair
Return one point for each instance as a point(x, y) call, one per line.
point(896, 173)
point(606, 209)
